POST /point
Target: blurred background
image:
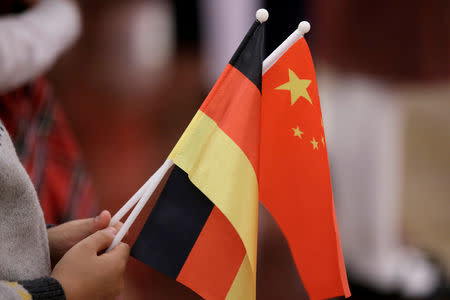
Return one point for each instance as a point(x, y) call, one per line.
point(140, 69)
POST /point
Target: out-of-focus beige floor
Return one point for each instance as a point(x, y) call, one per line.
point(427, 170)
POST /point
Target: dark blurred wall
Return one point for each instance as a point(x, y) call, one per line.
point(405, 40)
point(284, 17)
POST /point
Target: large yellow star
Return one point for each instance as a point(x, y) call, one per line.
point(297, 132)
point(315, 144)
point(297, 87)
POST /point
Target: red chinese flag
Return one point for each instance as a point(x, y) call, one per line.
point(295, 183)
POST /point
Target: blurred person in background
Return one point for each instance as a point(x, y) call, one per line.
point(61, 262)
point(369, 54)
point(33, 34)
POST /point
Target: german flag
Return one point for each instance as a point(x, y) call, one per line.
point(203, 228)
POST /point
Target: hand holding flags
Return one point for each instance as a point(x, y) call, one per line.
point(240, 148)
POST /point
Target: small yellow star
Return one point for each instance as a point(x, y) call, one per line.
point(297, 87)
point(323, 141)
point(297, 132)
point(315, 144)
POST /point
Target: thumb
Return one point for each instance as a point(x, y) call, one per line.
point(79, 229)
point(102, 220)
point(100, 240)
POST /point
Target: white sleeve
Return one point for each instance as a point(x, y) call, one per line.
point(12, 291)
point(32, 41)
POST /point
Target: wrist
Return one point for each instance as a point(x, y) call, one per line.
point(55, 252)
point(70, 288)
point(47, 288)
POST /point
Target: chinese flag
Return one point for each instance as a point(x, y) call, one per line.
point(295, 183)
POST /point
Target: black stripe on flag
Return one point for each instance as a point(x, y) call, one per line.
point(173, 226)
point(249, 56)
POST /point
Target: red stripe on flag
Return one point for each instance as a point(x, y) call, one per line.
point(234, 104)
point(215, 258)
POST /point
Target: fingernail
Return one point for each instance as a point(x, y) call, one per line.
point(98, 216)
point(112, 230)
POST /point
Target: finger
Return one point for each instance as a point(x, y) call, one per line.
point(118, 226)
point(102, 220)
point(80, 229)
point(121, 251)
point(100, 240)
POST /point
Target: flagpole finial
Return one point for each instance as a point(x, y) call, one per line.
point(262, 15)
point(304, 27)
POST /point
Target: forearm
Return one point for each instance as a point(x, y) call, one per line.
point(45, 288)
point(31, 42)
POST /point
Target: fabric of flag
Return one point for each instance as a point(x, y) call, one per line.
point(294, 176)
point(202, 230)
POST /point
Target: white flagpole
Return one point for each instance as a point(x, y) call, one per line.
point(146, 191)
point(130, 203)
point(153, 183)
point(302, 29)
point(134, 199)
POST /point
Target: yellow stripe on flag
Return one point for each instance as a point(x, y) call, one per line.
point(242, 287)
point(220, 169)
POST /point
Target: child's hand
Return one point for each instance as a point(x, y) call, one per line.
point(62, 237)
point(85, 274)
